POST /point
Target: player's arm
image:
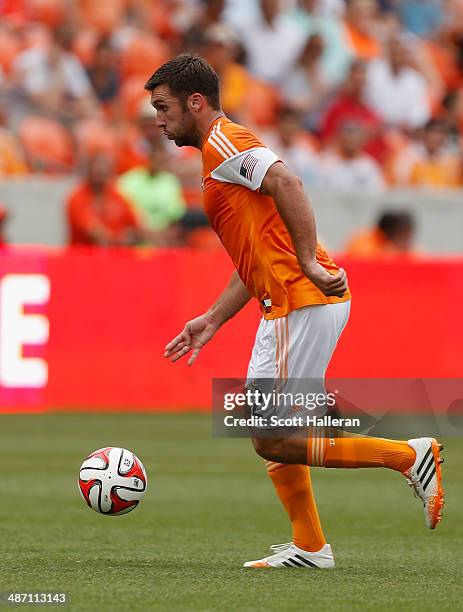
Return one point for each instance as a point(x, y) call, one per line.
point(294, 207)
point(199, 331)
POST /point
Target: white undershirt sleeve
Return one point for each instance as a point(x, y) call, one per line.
point(247, 168)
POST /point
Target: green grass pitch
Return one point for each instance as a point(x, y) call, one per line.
point(209, 507)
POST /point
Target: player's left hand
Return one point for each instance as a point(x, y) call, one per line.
point(329, 285)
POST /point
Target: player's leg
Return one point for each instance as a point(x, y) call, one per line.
point(419, 460)
point(293, 351)
point(292, 482)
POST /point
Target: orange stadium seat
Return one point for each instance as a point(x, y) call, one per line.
point(261, 104)
point(47, 144)
point(10, 46)
point(102, 15)
point(95, 136)
point(84, 45)
point(131, 95)
point(50, 12)
point(143, 55)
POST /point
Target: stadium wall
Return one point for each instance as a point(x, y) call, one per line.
point(86, 329)
point(37, 214)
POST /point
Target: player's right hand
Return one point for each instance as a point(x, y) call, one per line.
point(194, 336)
point(330, 285)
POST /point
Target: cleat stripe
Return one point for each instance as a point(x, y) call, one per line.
point(296, 563)
point(429, 479)
point(306, 561)
point(426, 469)
point(287, 564)
point(425, 458)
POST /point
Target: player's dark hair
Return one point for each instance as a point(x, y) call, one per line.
point(186, 75)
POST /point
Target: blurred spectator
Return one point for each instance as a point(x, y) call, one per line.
point(361, 28)
point(452, 115)
point(422, 17)
point(331, 8)
point(272, 42)
point(103, 17)
point(47, 144)
point(155, 193)
point(12, 160)
point(220, 48)
point(72, 77)
point(292, 145)
point(306, 88)
point(313, 18)
point(98, 214)
point(347, 167)
point(392, 236)
point(210, 15)
point(197, 232)
point(395, 90)
point(3, 220)
point(104, 74)
point(51, 81)
point(350, 105)
point(245, 98)
point(436, 164)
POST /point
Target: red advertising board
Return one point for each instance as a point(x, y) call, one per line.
point(87, 328)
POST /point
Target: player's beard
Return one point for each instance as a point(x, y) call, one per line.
point(187, 134)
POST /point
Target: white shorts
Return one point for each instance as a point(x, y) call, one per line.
point(299, 345)
point(289, 361)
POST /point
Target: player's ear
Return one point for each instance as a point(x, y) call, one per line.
point(195, 102)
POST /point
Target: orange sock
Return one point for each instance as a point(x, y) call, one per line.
point(357, 452)
point(294, 488)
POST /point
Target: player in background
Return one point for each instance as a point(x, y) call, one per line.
point(262, 215)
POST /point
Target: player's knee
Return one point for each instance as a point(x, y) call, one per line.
point(270, 449)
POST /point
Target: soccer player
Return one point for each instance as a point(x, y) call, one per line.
point(261, 213)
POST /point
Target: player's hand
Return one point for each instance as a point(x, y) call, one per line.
point(194, 336)
point(328, 284)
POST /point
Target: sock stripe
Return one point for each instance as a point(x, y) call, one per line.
point(318, 447)
point(286, 329)
point(272, 465)
point(277, 349)
point(320, 453)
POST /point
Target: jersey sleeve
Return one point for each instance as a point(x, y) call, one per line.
point(239, 156)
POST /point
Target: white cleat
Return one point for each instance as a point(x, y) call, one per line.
point(289, 555)
point(425, 478)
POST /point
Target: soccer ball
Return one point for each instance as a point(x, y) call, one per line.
point(112, 481)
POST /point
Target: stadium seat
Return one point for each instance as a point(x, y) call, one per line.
point(132, 95)
point(143, 55)
point(95, 136)
point(48, 12)
point(9, 47)
point(84, 45)
point(47, 144)
point(103, 15)
point(262, 104)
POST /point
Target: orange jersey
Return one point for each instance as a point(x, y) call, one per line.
point(247, 222)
